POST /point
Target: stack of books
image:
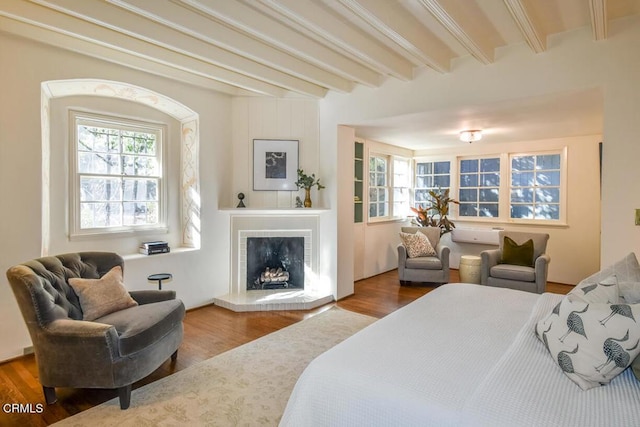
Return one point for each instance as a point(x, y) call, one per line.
point(158, 247)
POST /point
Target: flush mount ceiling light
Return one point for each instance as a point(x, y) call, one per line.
point(471, 135)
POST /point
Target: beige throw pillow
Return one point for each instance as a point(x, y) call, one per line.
point(99, 297)
point(417, 244)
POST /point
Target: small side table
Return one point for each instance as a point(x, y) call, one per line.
point(159, 278)
point(470, 266)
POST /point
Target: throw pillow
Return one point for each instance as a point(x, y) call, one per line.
point(515, 254)
point(417, 244)
point(591, 341)
point(606, 290)
point(99, 297)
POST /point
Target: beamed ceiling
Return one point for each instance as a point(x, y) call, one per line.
point(284, 48)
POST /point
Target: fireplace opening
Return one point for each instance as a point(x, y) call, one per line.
point(275, 263)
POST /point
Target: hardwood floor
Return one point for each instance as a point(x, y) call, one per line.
point(208, 331)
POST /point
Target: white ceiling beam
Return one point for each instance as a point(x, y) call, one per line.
point(74, 44)
point(68, 25)
point(252, 22)
point(116, 19)
point(307, 14)
point(174, 16)
point(598, 9)
point(473, 43)
point(400, 26)
point(531, 30)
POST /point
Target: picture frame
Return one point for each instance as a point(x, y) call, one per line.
point(275, 164)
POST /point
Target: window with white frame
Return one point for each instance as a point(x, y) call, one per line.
point(401, 187)
point(117, 174)
point(378, 186)
point(479, 187)
point(430, 176)
point(535, 186)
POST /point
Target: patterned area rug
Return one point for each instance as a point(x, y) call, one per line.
point(246, 386)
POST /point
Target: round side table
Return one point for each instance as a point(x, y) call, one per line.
point(470, 266)
point(159, 278)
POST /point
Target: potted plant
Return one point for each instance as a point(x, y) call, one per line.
point(307, 182)
point(437, 211)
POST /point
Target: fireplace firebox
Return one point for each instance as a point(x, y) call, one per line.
point(275, 263)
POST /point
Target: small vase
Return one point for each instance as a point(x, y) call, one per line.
point(307, 197)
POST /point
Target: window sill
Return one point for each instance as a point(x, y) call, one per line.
point(134, 256)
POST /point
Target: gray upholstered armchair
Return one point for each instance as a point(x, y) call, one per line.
point(432, 269)
point(111, 352)
point(494, 272)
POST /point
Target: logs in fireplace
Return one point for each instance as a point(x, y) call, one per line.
point(272, 278)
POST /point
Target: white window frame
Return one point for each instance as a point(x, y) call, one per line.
point(388, 187)
point(400, 208)
point(432, 160)
point(500, 187)
point(562, 218)
point(77, 118)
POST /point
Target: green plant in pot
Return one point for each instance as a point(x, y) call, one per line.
point(307, 182)
point(437, 211)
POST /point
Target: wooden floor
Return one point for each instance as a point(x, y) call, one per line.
point(208, 331)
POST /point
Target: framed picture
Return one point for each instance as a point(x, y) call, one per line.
point(275, 164)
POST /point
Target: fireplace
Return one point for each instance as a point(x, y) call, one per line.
point(275, 263)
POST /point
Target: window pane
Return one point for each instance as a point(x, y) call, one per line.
point(522, 179)
point(522, 163)
point(547, 212)
point(372, 210)
point(382, 209)
point(381, 180)
point(547, 162)
point(424, 168)
point(470, 195)
point(489, 195)
point(547, 195)
point(424, 182)
point(373, 195)
point(490, 180)
point(490, 165)
point(421, 195)
point(467, 166)
point(442, 167)
point(140, 165)
point(100, 215)
point(522, 195)
point(522, 211)
point(140, 213)
point(468, 180)
point(488, 210)
point(140, 189)
point(468, 209)
point(103, 164)
point(548, 178)
point(382, 195)
point(100, 189)
point(442, 181)
point(381, 164)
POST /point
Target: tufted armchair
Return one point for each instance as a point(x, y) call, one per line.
point(112, 352)
point(496, 272)
point(432, 269)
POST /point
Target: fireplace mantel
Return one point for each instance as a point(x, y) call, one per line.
point(275, 211)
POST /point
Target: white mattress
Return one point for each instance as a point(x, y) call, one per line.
point(462, 355)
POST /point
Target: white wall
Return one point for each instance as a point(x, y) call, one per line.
point(573, 62)
point(198, 275)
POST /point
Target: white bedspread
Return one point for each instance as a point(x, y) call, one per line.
point(462, 355)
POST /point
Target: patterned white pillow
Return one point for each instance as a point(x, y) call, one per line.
point(590, 339)
point(606, 290)
point(417, 244)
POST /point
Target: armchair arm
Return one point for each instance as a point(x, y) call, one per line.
point(490, 258)
point(443, 252)
point(542, 268)
point(151, 296)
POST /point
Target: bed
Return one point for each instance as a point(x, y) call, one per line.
point(462, 355)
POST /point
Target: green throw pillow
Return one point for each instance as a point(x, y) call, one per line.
point(515, 254)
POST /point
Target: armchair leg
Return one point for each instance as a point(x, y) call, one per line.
point(174, 356)
point(49, 395)
point(124, 393)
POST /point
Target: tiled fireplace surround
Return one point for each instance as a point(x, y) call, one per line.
point(281, 224)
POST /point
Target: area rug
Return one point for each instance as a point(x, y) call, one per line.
point(246, 386)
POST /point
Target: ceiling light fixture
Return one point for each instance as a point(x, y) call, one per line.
point(471, 135)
